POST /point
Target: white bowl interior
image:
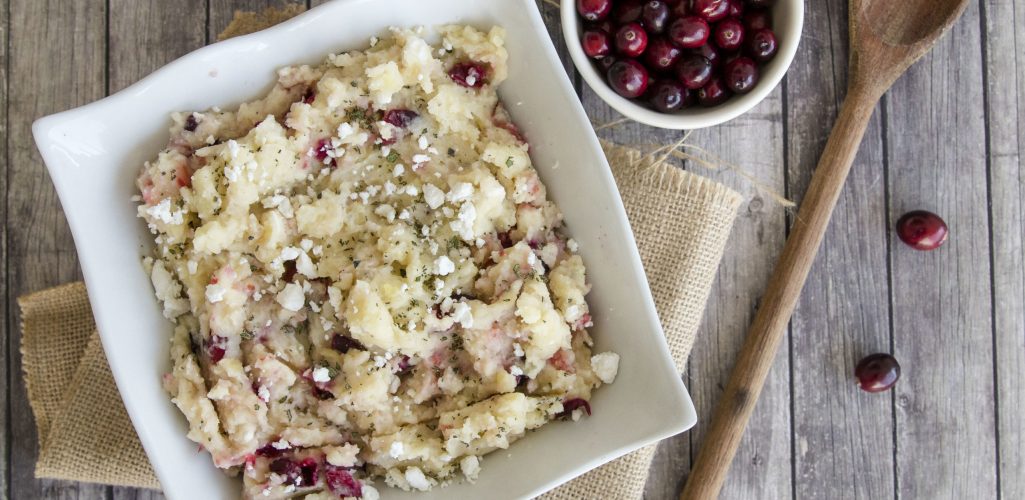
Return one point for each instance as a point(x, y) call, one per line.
point(94, 153)
point(787, 21)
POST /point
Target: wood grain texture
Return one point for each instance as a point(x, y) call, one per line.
point(222, 11)
point(58, 61)
point(1004, 43)
point(842, 437)
point(5, 334)
point(941, 299)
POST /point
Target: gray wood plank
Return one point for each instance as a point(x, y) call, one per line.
point(57, 59)
point(945, 414)
point(1005, 89)
point(4, 333)
point(140, 42)
point(842, 437)
point(222, 11)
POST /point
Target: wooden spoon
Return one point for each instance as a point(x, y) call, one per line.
point(886, 37)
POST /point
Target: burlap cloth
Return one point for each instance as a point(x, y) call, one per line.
point(681, 222)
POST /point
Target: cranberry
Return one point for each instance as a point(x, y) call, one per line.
point(341, 482)
point(400, 118)
point(628, 12)
point(655, 16)
point(631, 40)
point(572, 404)
point(594, 10)
point(289, 470)
point(606, 62)
point(741, 75)
point(289, 274)
point(320, 151)
point(711, 10)
point(762, 4)
point(877, 372)
point(661, 54)
point(689, 32)
point(628, 78)
point(761, 45)
point(215, 349)
point(694, 71)
point(596, 43)
point(309, 96)
point(310, 471)
point(269, 451)
point(468, 74)
point(343, 344)
point(736, 8)
point(922, 230)
point(668, 96)
point(191, 123)
point(713, 93)
point(729, 34)
point(757, 19)
point(680, 8)
point(709, 52)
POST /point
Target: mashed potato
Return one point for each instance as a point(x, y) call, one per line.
point(367, 278)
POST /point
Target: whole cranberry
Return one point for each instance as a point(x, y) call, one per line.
point(655, 16)
point(694, 71)
point(711, 10)
point(596, 43)
point(605, 63)
point(594, 10)
point(729, 34)
point(689, 32)
point(741, 75)
point(761, 45)
point(708, 51)
point(628, 78)
point(667, 96)
point(713, 93)
point(736, 8)
point(756, 19)
point(400, 118)
point(631, 40)
point(680, 8)
point(877, 372)
point(661, 55)
point(627, 12)
point(761, 4)
point(922, 230)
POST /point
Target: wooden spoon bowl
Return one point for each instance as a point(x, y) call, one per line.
point(886, 37)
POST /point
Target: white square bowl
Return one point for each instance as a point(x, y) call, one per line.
point(94, 153)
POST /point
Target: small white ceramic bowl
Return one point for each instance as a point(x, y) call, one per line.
point(787, 21)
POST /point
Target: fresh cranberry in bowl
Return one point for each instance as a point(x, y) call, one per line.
point(736, 8)
point(628, 78)
point(713, 93)
point(631, 40)
point(711, 10)
point(596, 43)
point(667, 96)
point(694, 71)
point(655, 16)
point(594, 10)
point(709, 52)
point(627, 12)
point(689, 32)
point(661, 55)
point(741, 75)
point(757, 19)
point(761, 45)
point(922, 230)
point(729, 34)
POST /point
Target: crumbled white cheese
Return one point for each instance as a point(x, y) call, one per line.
point(281, 444)
point(470, 465)
point(515, 371)
point(464, 223)
point(162, 212)
point(433, 196)
point(605, 366)
point(396, 449)
point(321, 375)
point(572, 245)
point(215, 293)
point(416, 479)
point(443, 266)
point(462, 314)
point(398, 170)
point(291, 297)
point(461, 191)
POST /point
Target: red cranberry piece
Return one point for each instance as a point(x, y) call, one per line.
point(628, 78)
point(667, 96)
point(310, 95)
point(320, 152)
point(655, 16)
point(729, 34)
point(289, 470)
point(269, 451)
point(343, 344)
point(596, 43)
point(922, 230)
point(714, 92)
point(757, 19)
point(469, 74)
point(708, 52)
point(761, 4)
point(572, 404)
point(661, 54)
point(627, 12)
point(877, 372)
point(341, 482)
point(631, 40)
point(309, 470)
point(736, 8)
point(216, 353)
point(191, 123)
point(689, 32)
point(694, 71)
point(741, 75)
point(761, 45)
point(594, 10)
point(322, 394)
point(711, 10)
point(400, 118)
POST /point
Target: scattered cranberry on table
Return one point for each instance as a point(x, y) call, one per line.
point(877, 372)
point(673, 54)
point(922, 230)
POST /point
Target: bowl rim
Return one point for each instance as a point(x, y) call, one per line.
point(692, 118)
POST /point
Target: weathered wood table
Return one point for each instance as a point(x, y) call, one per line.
point(950, 138)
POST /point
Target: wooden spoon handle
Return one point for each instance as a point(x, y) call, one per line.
point(770, 323)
